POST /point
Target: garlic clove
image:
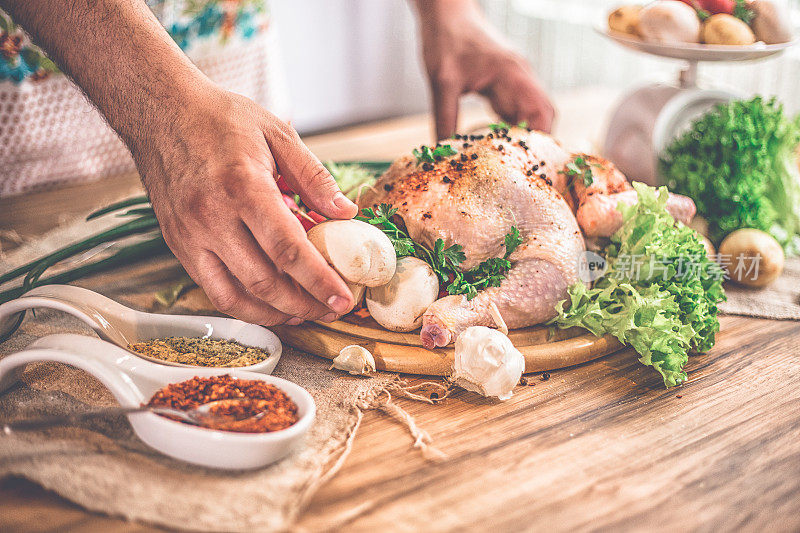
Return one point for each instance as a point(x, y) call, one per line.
point(354, 359)
point(487, 362)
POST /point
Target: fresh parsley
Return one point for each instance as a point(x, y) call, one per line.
point(445, 261)
point(425, 155)
point(497, 126)
point(579, 168)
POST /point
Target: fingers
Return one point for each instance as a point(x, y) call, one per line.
point(446, 93)
point(248, 263)
point(516, 95)
point(305, 174)
point(283, 239)
point(227, 294)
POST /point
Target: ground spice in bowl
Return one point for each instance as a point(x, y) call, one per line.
point(275, 409)
point(200, 351)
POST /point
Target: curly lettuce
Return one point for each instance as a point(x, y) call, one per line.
point(739, 164)
point(659, 293)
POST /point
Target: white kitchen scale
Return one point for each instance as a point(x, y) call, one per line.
point(649, 117)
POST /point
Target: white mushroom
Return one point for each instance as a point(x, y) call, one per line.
point(487, 363)
point(361, 253)
point(354, 359)
point(400, 304)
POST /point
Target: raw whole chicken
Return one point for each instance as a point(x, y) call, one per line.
point(495, 181)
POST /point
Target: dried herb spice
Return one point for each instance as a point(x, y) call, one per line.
point(273, 407)
point(199, 351)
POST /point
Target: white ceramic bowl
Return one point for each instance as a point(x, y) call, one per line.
point(133, 381)
point(121, 325)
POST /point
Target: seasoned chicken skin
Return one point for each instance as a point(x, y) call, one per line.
point(473, 199)
point(495, 181)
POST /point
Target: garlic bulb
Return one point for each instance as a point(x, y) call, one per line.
point(354, 359)
point(487, 363)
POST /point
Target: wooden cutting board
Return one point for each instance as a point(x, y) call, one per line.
point(403, 352)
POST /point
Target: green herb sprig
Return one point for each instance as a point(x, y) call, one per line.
point(580, 168)
point(497, 126)
point(425, 155)
point(445, 261)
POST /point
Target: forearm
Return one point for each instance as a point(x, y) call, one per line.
point(118, 53)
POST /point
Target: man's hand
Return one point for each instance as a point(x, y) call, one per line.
point(463, 54)
point(212, 184)
point(208, 158)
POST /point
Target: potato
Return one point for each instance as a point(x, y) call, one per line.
point(728, 30)
point(625, 20)
point(669, 21)
point(772, 22)
point(752, 257)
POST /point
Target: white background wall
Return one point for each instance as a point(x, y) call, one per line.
point(350, 61)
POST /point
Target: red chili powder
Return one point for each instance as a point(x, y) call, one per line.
point(279, 411)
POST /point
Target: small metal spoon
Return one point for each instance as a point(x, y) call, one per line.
point(197, 416)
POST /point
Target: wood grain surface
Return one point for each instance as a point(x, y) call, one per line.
point(598, 446)
point(403, 352)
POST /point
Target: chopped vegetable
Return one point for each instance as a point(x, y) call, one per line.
point(660, 292)
point(738, 164)
point(445, 261)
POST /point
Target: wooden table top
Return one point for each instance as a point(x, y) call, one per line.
point(598, 446)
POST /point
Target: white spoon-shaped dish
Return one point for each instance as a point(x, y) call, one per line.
point(133, 381)
point(121, 325)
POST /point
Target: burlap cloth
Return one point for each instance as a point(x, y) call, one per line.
point(104, 467)
point(780, 300)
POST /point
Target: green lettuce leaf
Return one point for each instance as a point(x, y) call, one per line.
point(659, 294)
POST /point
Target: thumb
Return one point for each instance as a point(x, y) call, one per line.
point(306, 175)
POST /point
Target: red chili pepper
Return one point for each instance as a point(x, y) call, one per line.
point(308, 220)
point(307, 224)
point(316, 216)
point(283, 186)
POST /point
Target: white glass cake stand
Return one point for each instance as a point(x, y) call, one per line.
point(649, 117)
